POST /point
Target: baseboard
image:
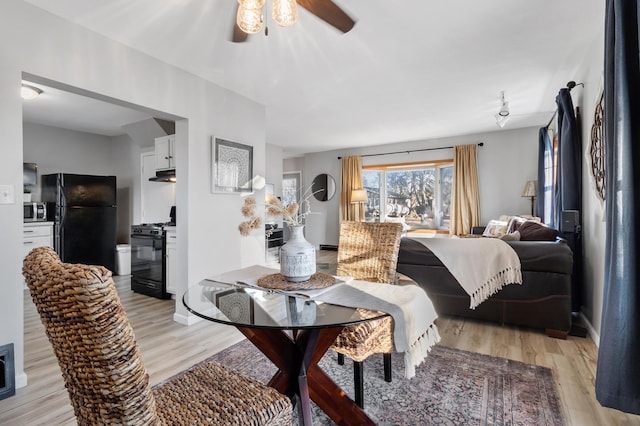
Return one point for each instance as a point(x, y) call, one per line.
point(186, 319)
point(21, 380)
point(328, 247)
point(592, 331)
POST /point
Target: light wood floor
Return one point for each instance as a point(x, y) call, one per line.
point(168, 347)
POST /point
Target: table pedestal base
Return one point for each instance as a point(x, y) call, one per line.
point(299, 375)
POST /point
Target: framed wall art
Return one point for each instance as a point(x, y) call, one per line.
point(236, 305)
point(232, 166)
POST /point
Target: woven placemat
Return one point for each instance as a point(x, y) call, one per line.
point(278, 282)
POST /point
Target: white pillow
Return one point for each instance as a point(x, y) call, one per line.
point(496, 228)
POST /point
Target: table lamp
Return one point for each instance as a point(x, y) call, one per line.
point(358, 196)
point(530, 190)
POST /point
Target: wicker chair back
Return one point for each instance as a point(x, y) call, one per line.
point(369, 250)
point(102, 366)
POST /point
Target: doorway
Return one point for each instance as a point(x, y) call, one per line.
point(89, 130)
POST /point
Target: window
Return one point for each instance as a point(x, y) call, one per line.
point(419, 193)
point(290, 188)
point(550, 180)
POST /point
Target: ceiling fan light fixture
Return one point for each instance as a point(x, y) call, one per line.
point(284, 12)
point(252, 4)
point(249, 20)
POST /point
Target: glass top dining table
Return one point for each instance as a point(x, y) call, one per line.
point(294, 333)
point(254, 308)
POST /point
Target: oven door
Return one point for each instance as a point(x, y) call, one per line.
point(147, 265)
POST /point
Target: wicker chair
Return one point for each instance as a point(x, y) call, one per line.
point(367, 251)
point(102, 366)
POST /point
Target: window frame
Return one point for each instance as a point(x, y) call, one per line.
point(441, 224)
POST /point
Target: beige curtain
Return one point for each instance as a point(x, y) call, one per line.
point(465, 201)
point(351, 179)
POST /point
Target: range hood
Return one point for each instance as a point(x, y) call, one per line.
point(164, 176)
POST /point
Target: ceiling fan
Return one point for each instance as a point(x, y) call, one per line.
point(326, 10)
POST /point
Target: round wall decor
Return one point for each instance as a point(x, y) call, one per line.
point(597, 149)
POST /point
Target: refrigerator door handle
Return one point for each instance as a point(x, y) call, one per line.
point(62, 212)
point(63, 216)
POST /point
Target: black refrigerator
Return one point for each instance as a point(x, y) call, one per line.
point(83, 210)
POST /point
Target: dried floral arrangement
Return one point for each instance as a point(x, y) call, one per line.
point(291, 214)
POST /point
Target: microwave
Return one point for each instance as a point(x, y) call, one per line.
point(34, 212)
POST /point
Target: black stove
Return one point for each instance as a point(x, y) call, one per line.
point(147, 229)
point(148, 270)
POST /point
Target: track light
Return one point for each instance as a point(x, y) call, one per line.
point(503, 114)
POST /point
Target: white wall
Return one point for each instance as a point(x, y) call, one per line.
point(125, 163)
point(273, 173)
point(506, 161)
point(61, 150)
point(294, 164)
point(57, 150)
point(593, 215)
point(81, 60)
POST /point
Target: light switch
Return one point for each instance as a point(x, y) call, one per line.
point(6, 194)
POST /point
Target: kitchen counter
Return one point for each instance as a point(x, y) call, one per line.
point(36, 234)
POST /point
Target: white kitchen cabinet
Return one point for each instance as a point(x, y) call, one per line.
point(165, 152)
point(171, 258)
point(36, 234)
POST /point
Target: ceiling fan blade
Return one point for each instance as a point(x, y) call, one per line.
point(238, 35)
point(329, 12)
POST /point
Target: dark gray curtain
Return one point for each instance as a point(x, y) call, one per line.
point(569, 185)
point(618, 375)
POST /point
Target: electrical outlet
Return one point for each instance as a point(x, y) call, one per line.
point(6, 194)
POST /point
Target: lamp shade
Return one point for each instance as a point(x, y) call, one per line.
point(284, 12)
point(359, 196)
point(249, 20)
point(530, 189)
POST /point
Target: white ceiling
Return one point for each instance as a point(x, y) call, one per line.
point(409, 70)
point(59, 108)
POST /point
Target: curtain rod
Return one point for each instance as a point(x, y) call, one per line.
point(409, 151)
point(570, 85)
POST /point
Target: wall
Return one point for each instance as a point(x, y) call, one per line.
point(294, 164)
point(61, 150)
point(273, 173)
point(593, 214)
point(68, 151)
point(125, 165)
point(72, 58)
point(506, 161)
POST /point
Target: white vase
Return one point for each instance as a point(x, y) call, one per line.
point(297, 256)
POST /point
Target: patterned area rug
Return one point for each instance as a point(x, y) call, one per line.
point(452, 387)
